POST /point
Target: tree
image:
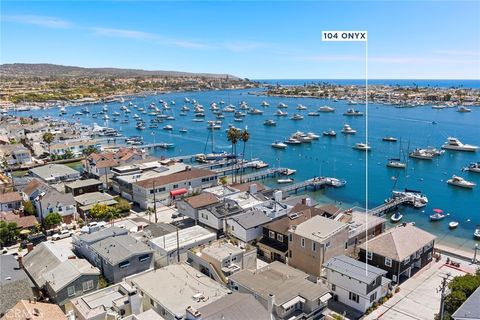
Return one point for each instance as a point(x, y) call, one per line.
point(233, 135)
point(48, 138)
point(8, 232)
point(103, 212)
point(28, 208)
point(89, 150)
point(52, 219)
point(123, 205)
point(244, 136)
point(461, 288)
point(68, 154)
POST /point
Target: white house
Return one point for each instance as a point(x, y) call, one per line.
point(351, 285)
point(248, 226)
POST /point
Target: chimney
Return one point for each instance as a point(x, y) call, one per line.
point(271, 304)
point(20, 262)
point(29, 247)
point(277, 195)
point(308, 202)
point(252, 189)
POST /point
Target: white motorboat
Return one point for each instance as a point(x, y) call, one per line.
point(326, 109)
point(283, 181)
point(296, 116)
point(389, 139)
point(456, 145)
point(362, 146)
point(282, 105)
point(353, 112)
point(348, 130)
point(453, 224)
point(265, 104)
point(183, 130)
point(473, 167)
point(168, 127)
point(352, 102)
point(301, 107)
point(464, 109)
point(293, 141)
point(313, 136)
point(255, 111)
point(313, 114)
point(396, 163)
point(422, 154)
point(288, 172)
point(476, 234)
point(396, 217)
point(461, 182)
point(281, 113)
point(417, 199)
point(269, 123)
point(329, 133)
point(279, 145)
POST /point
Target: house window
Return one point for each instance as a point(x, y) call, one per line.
point(388, 262)
point(407, 260)
point(302, 242)
point(334, 287)
point(87, 285)
point(314, 246)
point(327, 245)
point(429, 256)
point(280, 237)
point(290, 237)
point(71, 291)
point(369, 255)
point(144, 257)
point(353, 296)
point(124, 264)
point(271, 234)
point(373, 296)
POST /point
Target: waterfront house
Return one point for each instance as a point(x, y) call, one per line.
point(221, 258)
point(80, 187)
point(16, 155)
point(314, 241)
point(82, 242)
point(113, 302)
point(75, 147)
point(121, 256)
point(190, 206)
point(87, 201)
point(182, 287)
point(57, 272)
point(354, 284)
point(284, 291)
point(98, 165)
point(401, 251)
point(54, 173)
point(173, 247)
point(247, 226)
point(169, 187)
point(469, 310)
point(10, 201)
point(54, 201)
point(32, 309)
point(14, 283)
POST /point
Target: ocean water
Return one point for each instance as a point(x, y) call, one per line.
point(335, 156)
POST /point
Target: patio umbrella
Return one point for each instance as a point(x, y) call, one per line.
point(25, 231)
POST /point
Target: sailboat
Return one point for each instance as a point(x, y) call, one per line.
point(397, 162)
point(214, 155)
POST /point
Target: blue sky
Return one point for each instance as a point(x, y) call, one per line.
point(258, 40)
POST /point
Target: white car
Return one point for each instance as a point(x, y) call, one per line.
point(62, 235)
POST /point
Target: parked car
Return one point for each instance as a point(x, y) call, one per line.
point(62, 235)
point(34, 239)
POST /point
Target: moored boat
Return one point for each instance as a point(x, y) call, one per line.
point(453, 224)
point(461, 182)
point(396, 217)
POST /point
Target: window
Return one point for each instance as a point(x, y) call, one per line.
point(124, 264)
point(388, 262)
point(290, 253)
point(334, 287)
point(271, 234)
point(280, 237)
point(71, 291)
point(87, 285)
point(429, 256)
point(302, 242)
point(373, 296)
point(175, 186)
point(314, 247)
point(327, 245)
point(144, 257)
point(369, 255)
point(407, 260)
point(290, 237)
point(353, 296)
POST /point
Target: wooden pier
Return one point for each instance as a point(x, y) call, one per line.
point(390, 205)
point(313, 184)
point(260, 175)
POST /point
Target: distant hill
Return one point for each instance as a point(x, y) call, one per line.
point(45, 70)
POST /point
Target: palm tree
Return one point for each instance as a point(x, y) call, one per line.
point(48, 138)
point(244, 136)
point(233, 135)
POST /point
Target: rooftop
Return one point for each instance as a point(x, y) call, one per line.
point(319, 228)
point(50, 171)
point(202, 200)
point(118, 249)
point(25, 309)
point(236, 306)
point(182, 286)
point(175, 177)
point(10, 197)
point(83, 183)
point(251, 219)
point(469, 310)
point(218, 250)
point(67, 271)
point(354, 269)
point(102, 234)
point(186, 237)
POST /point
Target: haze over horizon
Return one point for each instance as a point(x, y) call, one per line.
point(256, 40)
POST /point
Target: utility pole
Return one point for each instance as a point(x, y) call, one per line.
point(154, 202)
point(474, 261)
point(178, 247)
point(442, 290)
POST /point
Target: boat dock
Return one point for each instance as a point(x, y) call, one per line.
point(262, 174)
point(390, 205)
point(235, 167)
point(313, 184)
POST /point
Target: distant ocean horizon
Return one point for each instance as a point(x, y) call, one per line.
point(444, 83)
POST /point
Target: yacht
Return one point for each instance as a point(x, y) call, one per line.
point(281, 113)
point(85, 110)
point(296, 116)
point(183, 130)
point(362, 146)
point(437, 216)
point(301, 107)
point(313, 136)
point(455, 144)
point(283, 181)
point(229, 109)
point(473, 167)
point(423, 154)
point(165, 145)
point(326, 109)
point(79, 113)
point(255, 111)
point(353, 112)
point(476, 234)
point(270, 123)
point(279, 145)
point(396, 163)
point(460, 182)
point(352, 102)
point(140, 126)
point(282, 105)
point(292, 141)
point(168, 127)
point(116, 114)
point(348, 130)
point(265, 104)
point(329, 133)
point(313, 114)
point(106, 117)
point(288, 172)
point(418, 200)
point(185, 108)
point(389, 139)
point(238, 119)
point(464, 109)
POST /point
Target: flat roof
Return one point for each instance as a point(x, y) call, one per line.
point(186, 237)
point(319, 228)
point(53, 170)
point(83, 183)
point(354, 269)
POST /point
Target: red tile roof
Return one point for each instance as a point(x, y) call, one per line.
point(10, 197)
point(175, 177)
